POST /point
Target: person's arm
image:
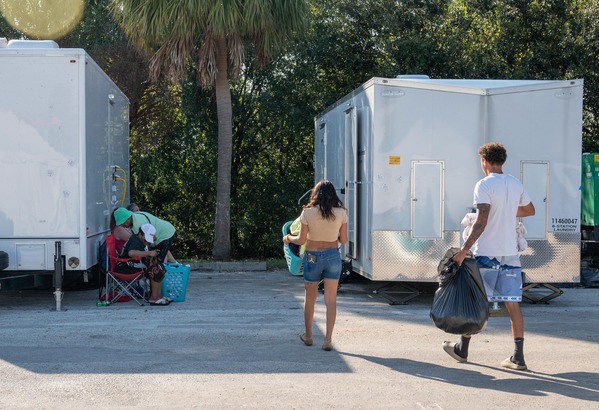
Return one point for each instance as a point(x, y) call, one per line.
point(526, 210)
point(482, 217)
point(297, 239)
point(134, 253)
point(343, 233)
point(122, 233)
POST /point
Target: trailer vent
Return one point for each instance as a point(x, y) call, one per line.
point(413, 77)
point(32, 44)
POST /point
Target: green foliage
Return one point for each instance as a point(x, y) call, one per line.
point(272, 164)
point(173, 160)
point(553, 39)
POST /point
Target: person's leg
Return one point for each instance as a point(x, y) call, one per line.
point(156, 277)
point(488, 271)
point(462, 347)
point(516, 361)
point(311, 293)
point(331, 274)
point(509, 288)
point(312, 266)
point(164, 247)
point(155, 290)
point(330, 300)
point(516, 319)
point(170, 258)
point(459, 350)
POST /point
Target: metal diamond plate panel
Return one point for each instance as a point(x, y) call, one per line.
point(398, 257)
point(555, 260)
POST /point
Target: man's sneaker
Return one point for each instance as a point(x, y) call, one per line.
point(449, 348)
point(509, 364)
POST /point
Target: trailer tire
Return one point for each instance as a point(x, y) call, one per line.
point(3, 260)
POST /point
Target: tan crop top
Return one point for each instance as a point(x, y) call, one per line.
point(320, 229)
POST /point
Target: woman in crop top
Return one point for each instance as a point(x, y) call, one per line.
point(323, 226)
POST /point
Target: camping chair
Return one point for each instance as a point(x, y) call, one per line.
point(121, 285)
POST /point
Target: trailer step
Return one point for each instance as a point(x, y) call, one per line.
point(391, 289)
point(540, 292)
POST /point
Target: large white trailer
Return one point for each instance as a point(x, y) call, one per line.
point(403, 153)
point(64, 160)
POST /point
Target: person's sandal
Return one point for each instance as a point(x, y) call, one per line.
point(327, 346)
point(449, 348)
point(307, 340)
point(160, 302)
point(509, 364)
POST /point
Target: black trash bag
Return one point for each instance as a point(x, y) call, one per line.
point(460, 304)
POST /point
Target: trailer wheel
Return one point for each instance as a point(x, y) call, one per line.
point(3, 260)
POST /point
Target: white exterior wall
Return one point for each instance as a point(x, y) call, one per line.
point(416, 163)
point(54, 156)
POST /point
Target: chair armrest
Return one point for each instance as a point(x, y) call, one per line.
point(138, 259)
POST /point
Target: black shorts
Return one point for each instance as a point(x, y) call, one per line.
point(163, 247)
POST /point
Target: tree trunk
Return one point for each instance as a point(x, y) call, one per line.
point(221, 249)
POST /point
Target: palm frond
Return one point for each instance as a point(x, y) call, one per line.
point(179, 31)
point(171, 58)
point(236, 54)
point(207, 60)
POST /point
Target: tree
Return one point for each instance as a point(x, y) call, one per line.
point(212, 36)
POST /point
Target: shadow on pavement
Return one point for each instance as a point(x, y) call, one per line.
point(581, 385)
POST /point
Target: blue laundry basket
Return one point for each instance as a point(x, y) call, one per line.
point(174, 284)
point(295, 264)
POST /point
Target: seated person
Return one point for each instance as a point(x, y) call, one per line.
point(137, 246)
point(121, 234)
point(133, 207)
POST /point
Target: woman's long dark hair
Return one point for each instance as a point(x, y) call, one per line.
point(325, 197)
point(112, 220)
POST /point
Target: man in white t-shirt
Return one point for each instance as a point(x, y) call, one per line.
point(500, 199)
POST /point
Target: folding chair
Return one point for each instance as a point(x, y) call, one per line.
point(120, 285)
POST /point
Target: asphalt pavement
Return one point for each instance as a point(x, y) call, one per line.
point(234, 343)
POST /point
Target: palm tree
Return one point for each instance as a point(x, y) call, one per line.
point(212, 36)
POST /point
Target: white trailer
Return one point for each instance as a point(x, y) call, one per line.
point(403, 153)
point(64, 160)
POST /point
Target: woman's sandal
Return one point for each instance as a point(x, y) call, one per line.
point(160, 302)
point(328, 346)
point(307, 340)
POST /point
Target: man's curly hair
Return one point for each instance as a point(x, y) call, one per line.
point(493, 153)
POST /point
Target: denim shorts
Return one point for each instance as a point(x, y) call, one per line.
point(503, 282)
point(322, 265)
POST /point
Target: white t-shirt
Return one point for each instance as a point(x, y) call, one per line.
point(505, 194)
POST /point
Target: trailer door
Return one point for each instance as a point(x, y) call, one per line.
point(535, 177)
point(320, 157)
point(351, 181)
point(427, 199)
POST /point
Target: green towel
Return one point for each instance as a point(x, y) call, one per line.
point(295, 230)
